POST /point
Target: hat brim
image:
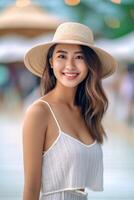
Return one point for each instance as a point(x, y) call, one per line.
point(35, 58)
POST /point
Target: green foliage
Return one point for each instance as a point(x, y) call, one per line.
point(106, 18)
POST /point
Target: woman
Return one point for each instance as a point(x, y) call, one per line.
point(62, 131)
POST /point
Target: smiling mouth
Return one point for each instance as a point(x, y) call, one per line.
point(70, 74)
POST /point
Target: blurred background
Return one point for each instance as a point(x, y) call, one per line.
point(24, 23)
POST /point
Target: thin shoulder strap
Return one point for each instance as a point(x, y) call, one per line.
point(52, 113)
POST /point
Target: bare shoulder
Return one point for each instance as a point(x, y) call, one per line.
point(35, 123)
point(38, 110)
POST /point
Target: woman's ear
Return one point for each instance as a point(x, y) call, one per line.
point(50, 61)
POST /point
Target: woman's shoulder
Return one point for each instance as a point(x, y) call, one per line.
point(38, 110)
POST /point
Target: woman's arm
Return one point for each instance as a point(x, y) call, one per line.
point(34, 129)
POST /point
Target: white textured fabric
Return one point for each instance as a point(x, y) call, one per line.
point(65, 195)
point(69, 164)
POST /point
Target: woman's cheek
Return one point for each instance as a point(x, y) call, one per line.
point(58, 63)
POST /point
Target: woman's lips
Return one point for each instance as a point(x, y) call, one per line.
point(70, 76)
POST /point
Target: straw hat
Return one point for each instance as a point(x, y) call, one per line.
point(68, 33)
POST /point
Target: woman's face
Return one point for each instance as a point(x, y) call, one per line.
point(69, 65)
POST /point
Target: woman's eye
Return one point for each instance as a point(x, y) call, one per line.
point(80, 57)
point(61, 56)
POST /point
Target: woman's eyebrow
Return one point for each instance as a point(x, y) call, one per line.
point(62, 51)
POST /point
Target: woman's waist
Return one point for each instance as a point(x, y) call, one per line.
point(73, 190)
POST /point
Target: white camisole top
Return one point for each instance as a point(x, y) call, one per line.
point(69, 164)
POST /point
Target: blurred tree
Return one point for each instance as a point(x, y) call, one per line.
point(106, 18)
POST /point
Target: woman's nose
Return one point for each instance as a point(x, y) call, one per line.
point(70, 63)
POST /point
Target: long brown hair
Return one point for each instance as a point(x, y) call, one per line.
point(90, 95)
